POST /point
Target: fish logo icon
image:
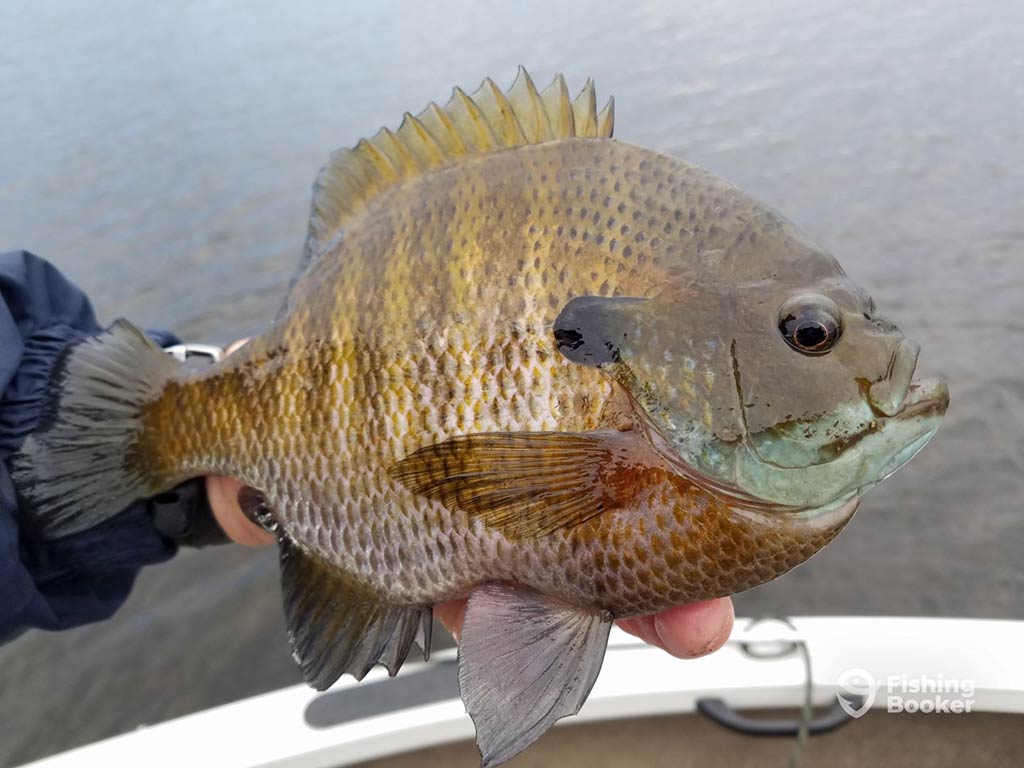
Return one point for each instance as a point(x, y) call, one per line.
point(857, 689)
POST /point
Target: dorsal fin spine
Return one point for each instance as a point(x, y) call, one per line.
point(404, 154)
point(606, 120)
point(559, 106)
point(488, 120)
point(481, 132)
point(585, 111)
point(379, 161)
point(433, 151)
point(513, 131)
point(540, 130)
point(458, 146)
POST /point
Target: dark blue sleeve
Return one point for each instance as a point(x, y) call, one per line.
point(84, 577)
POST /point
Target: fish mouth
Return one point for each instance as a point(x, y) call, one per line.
point(888, 395)
point(858, 462)
point(850, 466)
point(924, 401)
point(846, 468)
point(924, 406)
point(927, 397)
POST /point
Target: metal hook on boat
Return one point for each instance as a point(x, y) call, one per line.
point(837, 716)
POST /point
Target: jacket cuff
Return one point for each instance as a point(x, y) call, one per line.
point(80, 578)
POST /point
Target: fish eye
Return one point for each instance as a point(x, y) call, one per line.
point(810, 324)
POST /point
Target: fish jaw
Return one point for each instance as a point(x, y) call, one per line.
point(925, 403)
point(856, 462)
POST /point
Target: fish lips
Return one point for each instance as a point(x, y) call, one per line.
point(926, 397)
point(924, 406)
point(918, 417)
point(887, 395)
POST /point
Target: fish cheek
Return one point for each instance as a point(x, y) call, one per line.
point(660, 351)
point(781, 385)
point(784, 392)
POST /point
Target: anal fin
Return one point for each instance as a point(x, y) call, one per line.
point(337, 625)
point(525, 661)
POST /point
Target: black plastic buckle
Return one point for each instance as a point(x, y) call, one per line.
point(183, 515)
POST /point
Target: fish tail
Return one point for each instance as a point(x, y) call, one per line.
point(86, 461)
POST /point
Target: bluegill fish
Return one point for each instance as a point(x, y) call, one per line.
point(570, 378)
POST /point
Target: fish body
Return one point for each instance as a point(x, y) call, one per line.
point(571, 378)
point(430, 320)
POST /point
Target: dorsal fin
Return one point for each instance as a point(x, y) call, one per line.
point(488, 120)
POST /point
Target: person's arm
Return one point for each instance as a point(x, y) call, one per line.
point(82, 578)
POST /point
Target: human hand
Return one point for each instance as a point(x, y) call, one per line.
point(222, 493)
point(686, 632)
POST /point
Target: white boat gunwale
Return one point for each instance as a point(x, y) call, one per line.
point(272, 730)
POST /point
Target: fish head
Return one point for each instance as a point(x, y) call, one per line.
point(765, 369)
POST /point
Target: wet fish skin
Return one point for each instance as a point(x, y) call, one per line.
point(413, 333)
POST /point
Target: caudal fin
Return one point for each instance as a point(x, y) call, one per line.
point(82, 465)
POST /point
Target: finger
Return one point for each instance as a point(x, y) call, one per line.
point(688, 631)
point(222, 494)
point(451, 614)
point(235, 346)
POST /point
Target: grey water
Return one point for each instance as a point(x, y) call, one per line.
point(162, 154)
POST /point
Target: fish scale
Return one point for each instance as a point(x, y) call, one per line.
point(413, 363)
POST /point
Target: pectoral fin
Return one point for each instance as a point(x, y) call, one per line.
point(525, 661)
point(528, 483)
